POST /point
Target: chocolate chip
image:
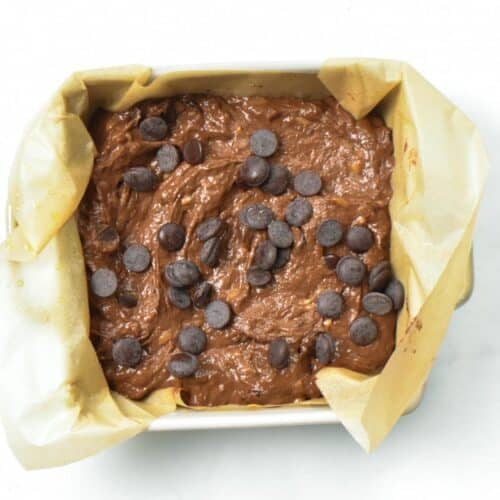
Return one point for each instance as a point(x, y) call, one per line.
point(377, 303)
point(109, 240)
point(282, 257)
point(265, 255)
point(140, 179)
point(363, 331)
point(182, 273)
point(278, 180)
point(350, 270)
point(208, 228)
point(256, 216)
point(170, 276)
point(127, 352)
point(396, 292)
point(103, 282)
point(172, 236)
point(330, 304)
point(170, 114)
point(178, 297)
point(254, 171)
point(210, 251)
point(182, 365)
point(137, 258)
point(201, 294)
point(168, 158)
point(307, 183)
point(257, 277)
point(324, 348)
point(298, 212)
point(280, 234)
point(217, 314)
point(108, 234)
point(383, 264)
point(329, 233)
point(153, 128)
point(379, 276)
point(279, 353)
point(359, 239)
point(264, 142)
point(193, 151)
point(192, 339)
point(127, 299)
point(330, 259)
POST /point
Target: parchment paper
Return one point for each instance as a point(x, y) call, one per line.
point(54, 401)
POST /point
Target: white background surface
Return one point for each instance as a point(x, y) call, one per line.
point(450, 446)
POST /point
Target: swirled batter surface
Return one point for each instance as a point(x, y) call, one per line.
point(354, 159)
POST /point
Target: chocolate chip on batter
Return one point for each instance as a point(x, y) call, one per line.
point(201, 294)
point(330, 258)
point(168, 158)
point(170, 114)
point(182, 365)
point(256, 216)
point(127, 299)
point(324, 348)
point(363, 331)
point(380, 276)
point(103, 282)
point(127, 352)
point(279, 353)
point(254, 171)
point(109, 240)
point(172, 236)
point(278, 180)
point(329, 233)
point(298, 212)
point(396, 292)
point(140, 179)
point(350, 270)
point(137, 258)
point(182, 273)
point(192, 339)
point(264, 142)
point(218, 314)
point(280, 234)
point(330, 304)
point(265, 255)
point(210, 251)
point(282, 257)
point(307, 183)
point(108, 234)
point(257, 277)
point(208, 228)
point(153, 128)
point(193, 151)
point(377, 303)
point(178, 297)
point(359, 239)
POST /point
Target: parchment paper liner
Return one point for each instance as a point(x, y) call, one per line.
point(55, 403)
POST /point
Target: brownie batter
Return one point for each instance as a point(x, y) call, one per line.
point(276, 339)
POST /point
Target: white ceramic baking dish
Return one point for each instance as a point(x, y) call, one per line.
point(186, 419)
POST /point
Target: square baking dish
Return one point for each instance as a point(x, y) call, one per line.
point(59, 412)
point(188, 419)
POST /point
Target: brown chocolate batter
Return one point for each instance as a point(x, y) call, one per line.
point(354, 160)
